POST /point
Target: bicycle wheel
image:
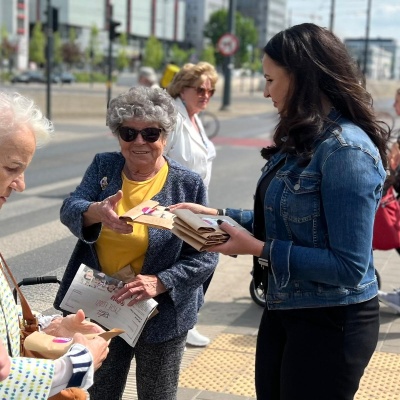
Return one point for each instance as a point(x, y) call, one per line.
point(384, 117)
point(210, 122)
point(257, 294)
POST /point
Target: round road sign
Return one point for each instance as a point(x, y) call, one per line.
point(228, 44)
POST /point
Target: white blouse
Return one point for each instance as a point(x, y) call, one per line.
point(189, 147)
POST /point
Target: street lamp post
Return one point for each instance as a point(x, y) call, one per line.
point(49, 56)
point(228, 64)
point(367, 38)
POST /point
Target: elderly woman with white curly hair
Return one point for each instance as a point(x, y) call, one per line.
point(23, 128)
point(153, 262)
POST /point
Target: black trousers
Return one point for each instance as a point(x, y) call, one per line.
point(317, 353)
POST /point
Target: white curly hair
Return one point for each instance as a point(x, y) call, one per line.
point(17, 111)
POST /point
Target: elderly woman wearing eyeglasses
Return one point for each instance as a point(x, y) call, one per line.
point(192, 88)
point(153, 262)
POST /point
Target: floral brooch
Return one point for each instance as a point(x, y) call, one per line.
point(103, 183)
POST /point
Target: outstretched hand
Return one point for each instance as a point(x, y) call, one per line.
point(104, 212)
point(240, 242)
point(195, 208)
point(68, 326)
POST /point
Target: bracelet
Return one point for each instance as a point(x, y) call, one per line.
point(265, 259)
point(221, 211)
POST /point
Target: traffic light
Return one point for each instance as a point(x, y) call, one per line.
point(55, 19)
point(112, 33)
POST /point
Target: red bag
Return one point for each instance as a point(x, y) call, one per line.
point(387, 223)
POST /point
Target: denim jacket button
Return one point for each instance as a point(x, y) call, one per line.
point(296, 186)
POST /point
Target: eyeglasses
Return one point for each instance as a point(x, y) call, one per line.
point(203, 91)
point(150, 135)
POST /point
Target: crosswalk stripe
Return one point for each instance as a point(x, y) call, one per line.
point(33, 238)
point(23, 207)
point(51, 186)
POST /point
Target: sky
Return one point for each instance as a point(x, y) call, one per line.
point(350, 17)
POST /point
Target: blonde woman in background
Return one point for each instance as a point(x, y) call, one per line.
point(192, 88)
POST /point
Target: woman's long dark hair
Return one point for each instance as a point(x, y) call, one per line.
point(318, 64)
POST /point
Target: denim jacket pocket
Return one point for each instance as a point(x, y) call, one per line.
point(301, 206)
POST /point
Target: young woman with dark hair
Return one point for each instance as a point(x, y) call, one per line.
point(313, 221)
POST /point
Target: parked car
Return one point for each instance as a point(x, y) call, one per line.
point(28, 77)
point(33, 76)
point(66, 77)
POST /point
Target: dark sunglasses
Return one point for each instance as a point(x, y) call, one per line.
point(150, 135)
point(203, 91)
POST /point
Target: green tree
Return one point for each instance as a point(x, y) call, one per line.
point(208, 54)
point(57, 48)
point(37, 45)
point(122, 61)
point(93, 52)
point(7, 50)
point(153, 53)
point(179, 55)
point(245, 31)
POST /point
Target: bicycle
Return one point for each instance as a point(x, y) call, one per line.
point(210, 123)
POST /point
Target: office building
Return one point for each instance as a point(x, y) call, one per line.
point(164, 19)
point(269, 17)
point(197, 15)
point(14, 18)
point(382, 60)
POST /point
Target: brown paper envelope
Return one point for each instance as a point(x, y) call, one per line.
point(52, 347)
point(203, 238)
point(155, 222)
point(109, 334)
point(205, 235)
point(48, 346)
point(194, 221)
point(135, 212)
point(188, 239)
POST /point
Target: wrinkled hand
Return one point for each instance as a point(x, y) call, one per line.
point(5, 362)
point(104, 212)
point(240, 242)
point(143, 287)
point(68, 326)
point(196, 208)
point(97, 346)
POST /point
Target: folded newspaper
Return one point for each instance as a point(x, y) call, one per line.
point(199, 230)
point(92, 291)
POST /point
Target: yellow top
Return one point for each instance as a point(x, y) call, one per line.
point(115, 250)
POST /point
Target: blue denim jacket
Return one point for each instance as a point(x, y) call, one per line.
point(319, 220)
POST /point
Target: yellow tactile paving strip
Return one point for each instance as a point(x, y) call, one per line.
point(381, 379)
point(227, 366)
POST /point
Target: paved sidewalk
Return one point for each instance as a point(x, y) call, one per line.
point(225, 369)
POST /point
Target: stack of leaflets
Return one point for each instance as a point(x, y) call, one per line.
point(199, 230)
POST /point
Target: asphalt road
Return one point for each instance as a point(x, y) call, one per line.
point(33, 240)
point(35, 243)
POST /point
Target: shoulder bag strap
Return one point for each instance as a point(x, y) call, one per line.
point(27, 313)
